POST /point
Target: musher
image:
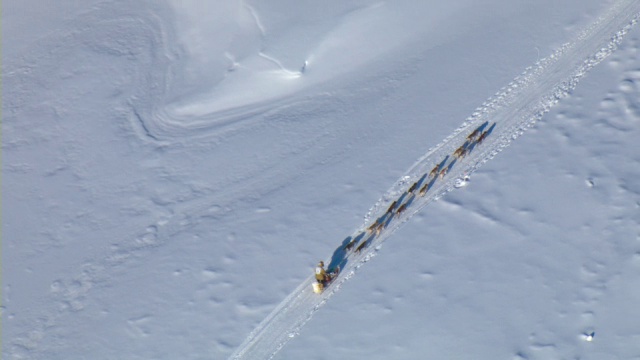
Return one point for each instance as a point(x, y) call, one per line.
point(321, 275)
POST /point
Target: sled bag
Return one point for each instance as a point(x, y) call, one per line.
point(317, 287)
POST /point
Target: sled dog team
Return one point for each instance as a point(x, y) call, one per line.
point(397, 207)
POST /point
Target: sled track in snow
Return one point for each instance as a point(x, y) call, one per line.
point(513, 110)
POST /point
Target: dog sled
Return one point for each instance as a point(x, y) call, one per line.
point(319, 286)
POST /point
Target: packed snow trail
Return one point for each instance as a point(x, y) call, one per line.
point(504, 117)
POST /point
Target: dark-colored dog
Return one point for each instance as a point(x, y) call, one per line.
point(482, 137)
point(392, 206)
point(401, 209)
point(460, 152)
point(434, 171)
point(350, 245)
point(473, 135)
point(413, 187)
point(424, 189)
point(443, 172)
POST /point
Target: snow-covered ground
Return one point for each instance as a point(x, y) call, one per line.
point(173, 171)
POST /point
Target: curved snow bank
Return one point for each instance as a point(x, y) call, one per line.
point(247, 78)
point(506, 115)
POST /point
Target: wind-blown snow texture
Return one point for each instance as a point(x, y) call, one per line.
point(172, 171)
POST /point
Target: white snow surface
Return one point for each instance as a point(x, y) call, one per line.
point(172, 172)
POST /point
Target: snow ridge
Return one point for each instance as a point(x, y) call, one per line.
point(504, 117)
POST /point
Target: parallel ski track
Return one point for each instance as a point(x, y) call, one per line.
point(513, 109)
